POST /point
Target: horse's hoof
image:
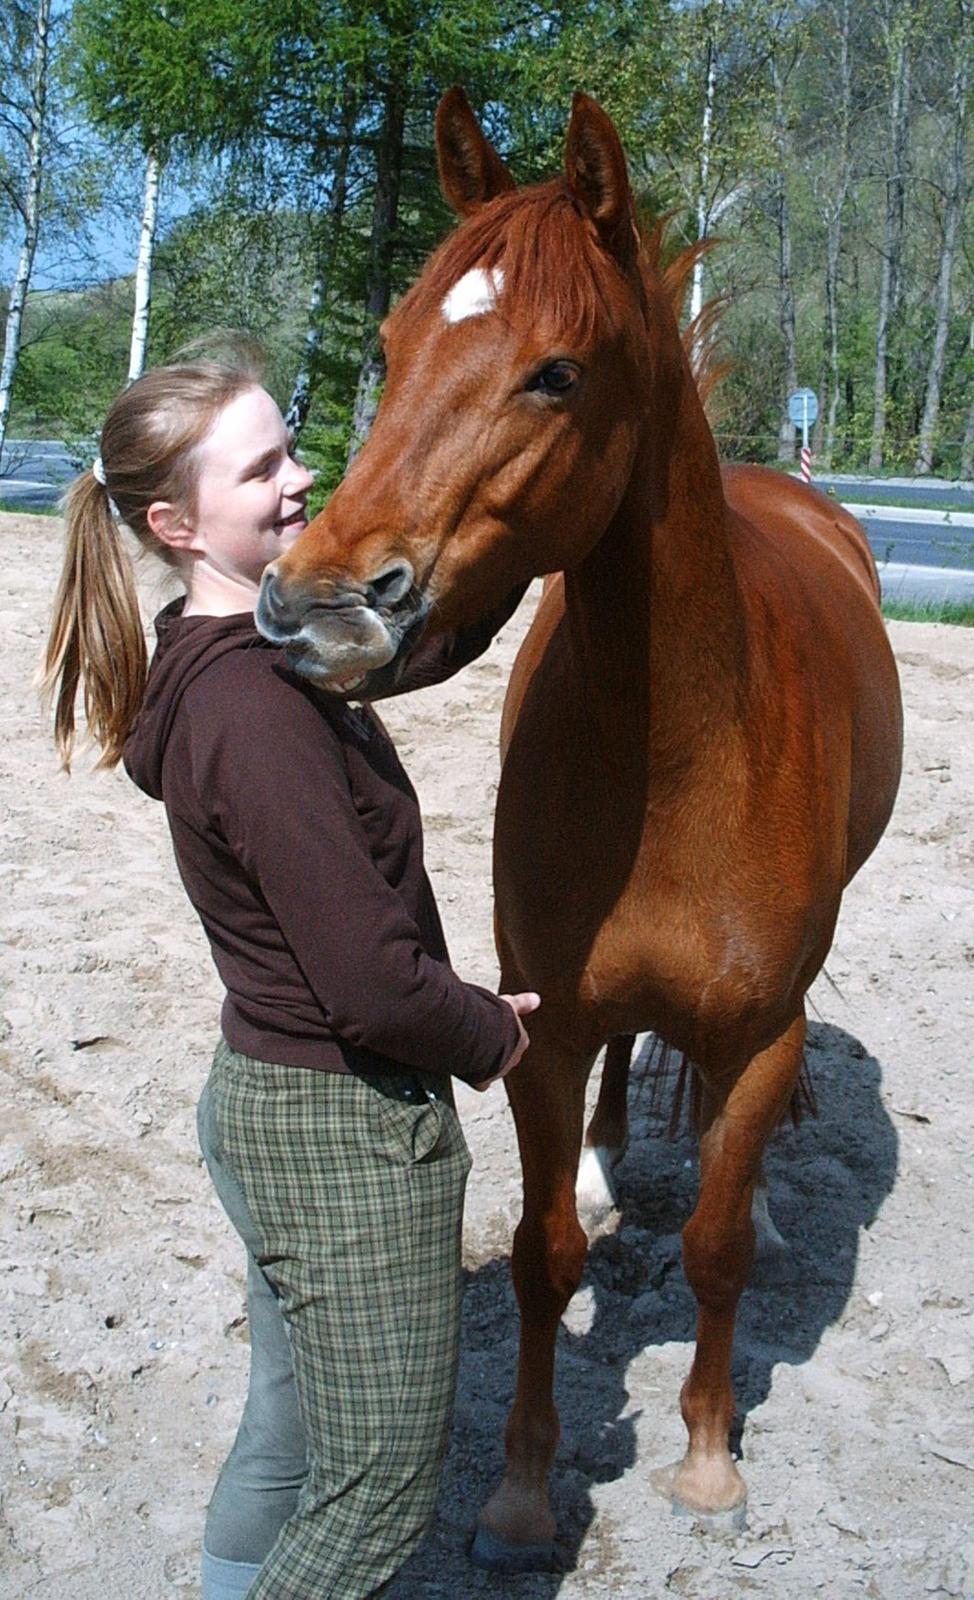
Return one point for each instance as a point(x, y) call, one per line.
point(731, 1520)
point(722, 1522)
point(495, 1554)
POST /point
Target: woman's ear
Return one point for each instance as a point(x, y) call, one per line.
point(169, 526)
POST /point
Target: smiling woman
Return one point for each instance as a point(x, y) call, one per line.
point(249, 505)
point(327, 1123)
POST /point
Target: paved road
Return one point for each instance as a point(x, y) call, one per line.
point(922, 554)
point(34, 473)
point(927, 538)
point(900, 491)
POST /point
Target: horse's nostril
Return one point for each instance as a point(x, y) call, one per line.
point(274, 618)
point(393, 585)
point(269, 593)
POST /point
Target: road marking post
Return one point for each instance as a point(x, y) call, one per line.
point(802, 411)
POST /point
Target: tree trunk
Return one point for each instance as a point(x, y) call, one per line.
point(378, 291)
point(143, 270)
point(786, 293)
point(834, 209)
point(706, 140)
point(899, 46)
point(952, 213)
point(306, 381)
point(967, 448)
point(29, 210)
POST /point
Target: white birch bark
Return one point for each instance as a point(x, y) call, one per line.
point(703, 197)
point(952, 215)
point(786, 293)
point(900, 48)
point(143, 270)
point(301, 394)
point(379, 282)
point(834, 209)
point(30, 212)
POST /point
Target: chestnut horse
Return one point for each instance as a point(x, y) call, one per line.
point(703, 729)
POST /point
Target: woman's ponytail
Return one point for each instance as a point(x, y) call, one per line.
point(148, 453)
point(96, 630)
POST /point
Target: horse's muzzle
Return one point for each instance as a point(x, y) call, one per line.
point(336, 636)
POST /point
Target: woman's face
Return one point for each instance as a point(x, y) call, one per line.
point(250, 491)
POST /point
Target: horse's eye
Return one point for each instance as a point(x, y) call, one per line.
point(557, 378)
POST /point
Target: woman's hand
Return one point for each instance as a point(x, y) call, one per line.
point(522, 1005)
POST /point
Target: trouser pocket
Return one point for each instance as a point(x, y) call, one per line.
point(416, 1120)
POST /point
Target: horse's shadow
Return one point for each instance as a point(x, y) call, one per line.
point(827, 1182)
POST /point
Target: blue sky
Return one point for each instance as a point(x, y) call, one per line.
point(110, 251)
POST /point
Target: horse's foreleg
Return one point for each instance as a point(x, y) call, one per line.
point(607, 1134)
point(718, 1247)
point(547, 1092)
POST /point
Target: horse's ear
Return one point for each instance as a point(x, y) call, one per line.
point(596, 171)
point(471, 171)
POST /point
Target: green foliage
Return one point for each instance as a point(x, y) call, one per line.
point(72, 363)
point(324, 448)
point(270, 98)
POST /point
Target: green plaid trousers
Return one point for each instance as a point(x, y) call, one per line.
point(348, 1192)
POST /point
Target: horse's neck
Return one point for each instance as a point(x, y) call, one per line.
point(654, 610)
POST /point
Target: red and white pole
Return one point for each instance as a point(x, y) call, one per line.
point(806, 456)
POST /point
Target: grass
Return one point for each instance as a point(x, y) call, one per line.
point(17, 510)
point(958, 612)
point(888, 497)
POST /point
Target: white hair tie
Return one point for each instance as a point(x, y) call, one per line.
point(98, 473)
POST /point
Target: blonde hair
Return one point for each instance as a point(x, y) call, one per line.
point(148, 453)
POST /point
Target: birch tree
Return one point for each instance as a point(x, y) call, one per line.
point(25, 196)
point(834, 204)
point(143, 270)
point(703, 196)
point(897, 23)
point(786, 292)
point(955, 193)
point(714, 196)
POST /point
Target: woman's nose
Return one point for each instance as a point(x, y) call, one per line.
point(298, 478)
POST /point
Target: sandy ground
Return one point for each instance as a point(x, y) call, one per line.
point(123, 1356)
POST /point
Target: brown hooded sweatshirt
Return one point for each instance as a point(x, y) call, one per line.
point(298, 838)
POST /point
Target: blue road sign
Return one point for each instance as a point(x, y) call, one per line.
point(803, 407)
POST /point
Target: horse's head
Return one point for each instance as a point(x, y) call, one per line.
point(510, 417)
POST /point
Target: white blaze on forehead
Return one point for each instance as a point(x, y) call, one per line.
point(476, 293)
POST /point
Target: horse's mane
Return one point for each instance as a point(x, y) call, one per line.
point(529, 232)
point(701, 337)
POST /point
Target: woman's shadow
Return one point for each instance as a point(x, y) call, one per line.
point(827, 1182)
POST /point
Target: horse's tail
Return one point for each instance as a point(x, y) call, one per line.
point(669, 1072)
